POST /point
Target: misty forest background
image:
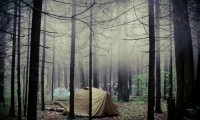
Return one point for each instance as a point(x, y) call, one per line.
point(143, 52)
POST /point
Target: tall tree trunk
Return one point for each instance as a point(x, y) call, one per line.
point(165, 75)
point(59, 76)
point(110, 78)
point(171, 101)
point(43, 60)
point(53, 70)
point(12, 106)
point(123, 92)
point(4, 25)
point(18, 63)
point(184, 56)
point(34, 60)
point(138, 79)
point(130, 81)
point(82, 76)
point(90, 64)
point(95, 74)
point(72, 59)
point(105, 80)
point(151, 86)
point(65, 78)
point(157, 31)
point(197, 81)
point(27, 62)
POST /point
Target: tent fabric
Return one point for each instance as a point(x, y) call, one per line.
point(102, 104)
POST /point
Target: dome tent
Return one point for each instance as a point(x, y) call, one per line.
point(102, 104)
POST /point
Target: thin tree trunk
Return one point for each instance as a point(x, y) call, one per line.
point(110, 85)
point(34, 60)
point(12, 106)
point(65, 78)
point(82, 76)
point(27, 63)
point(130, 81)
point(165, 75)
point(158, 81)
point(4, 20)
point(53, 70)
point(19, 117)
point(138, 80)
point(171, 100)
point(24, 84)
point(90, 64)
point(72, 60)
point(151, 82)
point(43, 60)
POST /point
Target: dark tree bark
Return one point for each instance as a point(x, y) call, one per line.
point(5, 20)
point(65, 78)
point(123, 92)
point(59, 76)
point(197, 81)
point(95, 73)
point(158, 81)
point(95, 69)
point(72, 60)
point(12, 106)
point(110, 78)
point(43, 60)
point(151, 86)
point(166, 73)
point(90, 63)
point(34, 60)
point(53, 71)
point(27, 63)
point(105, 80)
point(82, 76)
point(138, 80)
point(19, 117)
point(184, 56)
point(130, 81)
point(171, 100)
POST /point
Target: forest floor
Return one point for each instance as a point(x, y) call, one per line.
point(133, 110)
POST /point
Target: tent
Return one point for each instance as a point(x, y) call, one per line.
point(102, 104)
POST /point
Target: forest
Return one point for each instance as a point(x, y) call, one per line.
point(99, 59)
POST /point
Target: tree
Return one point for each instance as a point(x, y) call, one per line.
point(138, 79)
point(43, 60)
point(34, 60)
point(53, 70)
point(12, 106)
point(165, 75)
point(65, 78)
point(151, 82)
point(171, 101)
point(72, 60)
point(157, 31)
point(27, 62)
point(82, 76)
point(90, 64)
point(18, 62)
point(123, 91)
point(184, 56)
point(4, 19)
point(197, 80)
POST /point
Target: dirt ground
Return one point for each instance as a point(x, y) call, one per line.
point(133, 110)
